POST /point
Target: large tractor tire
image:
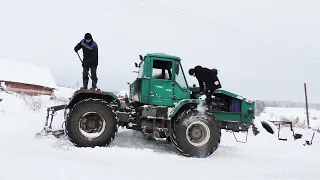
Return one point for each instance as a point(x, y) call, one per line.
point(90, 123)
point(267, 126)
point(195, 134)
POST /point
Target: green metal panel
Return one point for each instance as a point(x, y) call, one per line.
point(179, 104)
point(161, 90)
point(245, 106)
point(134, 92)
point(136, 86)
point(112, 95)
point(226, 116)
point(163, 55)
point(145, 85)
point(220, 116)
point(221, 91)
point(139, 89)
point(87, 91)
point(218, 91)
point(145, 91)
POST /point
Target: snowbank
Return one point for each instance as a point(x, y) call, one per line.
point(11, 103)
point(18, 102)
point(64, 92)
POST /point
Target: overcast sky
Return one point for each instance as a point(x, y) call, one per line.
point(263, 49)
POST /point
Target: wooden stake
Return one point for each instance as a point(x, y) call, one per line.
point(307, 109)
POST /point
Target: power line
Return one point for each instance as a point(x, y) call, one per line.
point(135, 6)
point(224, 27)
point(227, 28)
point(195, 18)
point(257, 41)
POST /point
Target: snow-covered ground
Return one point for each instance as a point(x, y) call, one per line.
point(132, 156)
point(293, 114)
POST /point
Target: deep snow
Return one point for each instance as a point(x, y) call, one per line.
point(132, 156)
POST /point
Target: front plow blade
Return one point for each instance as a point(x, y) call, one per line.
point(47, 130)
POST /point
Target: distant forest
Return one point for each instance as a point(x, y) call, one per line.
point(260, 105)
point(288, 104)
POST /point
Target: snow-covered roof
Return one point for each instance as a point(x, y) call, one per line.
point(21, 72)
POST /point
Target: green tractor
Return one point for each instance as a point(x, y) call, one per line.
point(160, 104)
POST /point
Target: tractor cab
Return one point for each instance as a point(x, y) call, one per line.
point(161, 81)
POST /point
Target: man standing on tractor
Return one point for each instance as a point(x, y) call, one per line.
point(208, 81)
point(90, 60)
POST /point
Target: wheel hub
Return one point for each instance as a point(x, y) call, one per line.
point(198, 133)
point(92, 125)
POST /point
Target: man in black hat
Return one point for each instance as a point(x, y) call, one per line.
point(90, 60)
point(208, 78)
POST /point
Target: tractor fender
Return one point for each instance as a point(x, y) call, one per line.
point(184, 104)
point(79, 95)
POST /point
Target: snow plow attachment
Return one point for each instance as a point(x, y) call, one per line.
point(51, 111)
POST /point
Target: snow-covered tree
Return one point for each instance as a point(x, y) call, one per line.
point(259, 107)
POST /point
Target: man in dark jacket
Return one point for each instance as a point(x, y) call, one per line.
point(208, 78)
point(90, 60)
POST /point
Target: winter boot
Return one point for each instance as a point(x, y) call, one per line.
point(85, 83)
point(94, 85)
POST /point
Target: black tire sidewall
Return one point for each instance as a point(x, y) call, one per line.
point(267, 127)
point(187, 148)
point(78, 111)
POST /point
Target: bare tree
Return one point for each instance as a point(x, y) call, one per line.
point(260, 106)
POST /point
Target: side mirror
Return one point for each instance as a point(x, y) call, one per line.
point(136, 64)
point(141, 57)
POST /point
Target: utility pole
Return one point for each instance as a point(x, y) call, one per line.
point(307, 111)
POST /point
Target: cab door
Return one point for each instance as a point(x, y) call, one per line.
point(161, 82)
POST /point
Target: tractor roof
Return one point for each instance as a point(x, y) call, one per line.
point(163, 55)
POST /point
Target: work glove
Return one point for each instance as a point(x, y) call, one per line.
point(76, 49)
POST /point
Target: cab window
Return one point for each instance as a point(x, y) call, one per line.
point(180, 79)
point(162, 69)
